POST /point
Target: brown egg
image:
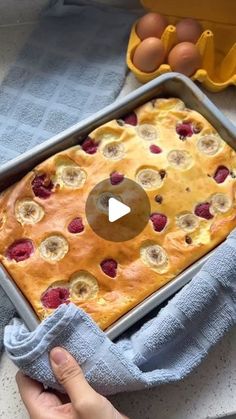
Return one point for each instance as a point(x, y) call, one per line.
point(151, 24)
point(188, 30)
point(185, 58)
point(149, 55)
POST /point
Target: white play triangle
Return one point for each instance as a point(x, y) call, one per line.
point(116, 210)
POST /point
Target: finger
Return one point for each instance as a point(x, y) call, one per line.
point(70, 375)
point(29, 390)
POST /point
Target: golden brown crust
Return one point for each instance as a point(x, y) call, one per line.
point(181, 191)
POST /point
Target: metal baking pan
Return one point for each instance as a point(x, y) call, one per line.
point(167, 85)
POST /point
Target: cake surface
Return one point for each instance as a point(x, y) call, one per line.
point(189, 175)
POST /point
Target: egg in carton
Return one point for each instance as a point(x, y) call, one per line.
point(216, 44)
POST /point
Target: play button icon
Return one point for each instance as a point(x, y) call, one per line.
point(117, 212)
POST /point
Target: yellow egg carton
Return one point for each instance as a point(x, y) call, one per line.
point(217, 44)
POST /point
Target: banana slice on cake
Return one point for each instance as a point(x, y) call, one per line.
point(53, 248)
point(221, 203)
point(149, 178)
point(147, 132)
point(83, 286)
point(155, 257)
point(28, 211)
point(180, 159)
point(187, 222)
point(113, 151)
point(209, 144)
point(71, 176)
point(103, 201)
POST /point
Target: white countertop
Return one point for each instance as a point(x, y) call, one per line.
point(210, 391)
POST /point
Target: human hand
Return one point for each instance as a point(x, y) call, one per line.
point(82, 402)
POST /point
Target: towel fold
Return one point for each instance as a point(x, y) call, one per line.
point(7, 312)
point(165, 349)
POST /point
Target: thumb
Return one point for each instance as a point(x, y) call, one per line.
point(69, 374)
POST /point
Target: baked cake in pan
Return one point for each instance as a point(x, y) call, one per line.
point(188, 173)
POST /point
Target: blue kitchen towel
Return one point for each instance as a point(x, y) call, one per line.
point(165, 349)
point(72, 65)
point(7, 312)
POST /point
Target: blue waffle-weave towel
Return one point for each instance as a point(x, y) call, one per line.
point(72, 65)
point(165, 349)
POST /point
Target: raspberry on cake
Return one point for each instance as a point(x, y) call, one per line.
point(184, 129)
point(116, 178)
point(155, 149)
point(203, 210)
point(89, 146)
point(20, 250)
point(221, 174)
point(42, 186)
point(76, 226)
point(54, 297)
point(130, 119)
point(109, 267)
point(159, 221)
